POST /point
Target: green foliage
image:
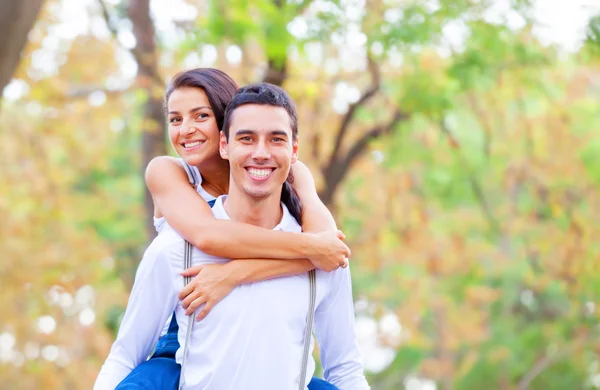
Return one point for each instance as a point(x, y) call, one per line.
point(473, 219)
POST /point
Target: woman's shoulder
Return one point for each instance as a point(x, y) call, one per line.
point(161, 165)
point(164, 162)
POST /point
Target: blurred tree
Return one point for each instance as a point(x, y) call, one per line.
point(461, 156)
point(16, 20)
point(150, 82)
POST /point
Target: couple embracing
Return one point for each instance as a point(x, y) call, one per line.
point(240, 215)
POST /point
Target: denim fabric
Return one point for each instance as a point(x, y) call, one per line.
point(320, 384)
point(157, 373)
point(168, 344)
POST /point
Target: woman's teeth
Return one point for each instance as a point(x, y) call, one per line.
point(191, 144)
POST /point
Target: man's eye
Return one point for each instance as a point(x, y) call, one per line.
point(277, 139)
point(247, 138)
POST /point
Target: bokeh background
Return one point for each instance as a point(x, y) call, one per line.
point(456, 141)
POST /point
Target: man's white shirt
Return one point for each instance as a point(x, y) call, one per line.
point(253, 338)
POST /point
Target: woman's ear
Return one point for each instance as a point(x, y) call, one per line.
point(223, 146)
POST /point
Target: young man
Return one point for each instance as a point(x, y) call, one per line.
point(254, 338)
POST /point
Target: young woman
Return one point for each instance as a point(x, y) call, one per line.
point(195, 103)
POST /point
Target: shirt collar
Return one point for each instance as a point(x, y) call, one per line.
point(287, 219)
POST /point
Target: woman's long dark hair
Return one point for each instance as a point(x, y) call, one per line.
point(290, 199)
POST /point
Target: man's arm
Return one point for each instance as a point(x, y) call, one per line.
point(152, 301)
point(334, 329)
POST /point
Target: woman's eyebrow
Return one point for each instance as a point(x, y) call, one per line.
point(199, 108)
point(192, 110)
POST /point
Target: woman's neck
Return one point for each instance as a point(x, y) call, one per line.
point(215, 176)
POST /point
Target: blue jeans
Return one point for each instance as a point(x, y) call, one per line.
point(161, 371)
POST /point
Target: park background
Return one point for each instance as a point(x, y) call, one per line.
point(456, 141)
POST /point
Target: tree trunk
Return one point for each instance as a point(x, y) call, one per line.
point(16, 19)
point(276, 72)
point(148, 78)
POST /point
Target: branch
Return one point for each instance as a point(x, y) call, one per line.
point(111, 27)
point(359, 146)
point(475, 186)
point(366, 96)
point(337, 168)
point(547, 360)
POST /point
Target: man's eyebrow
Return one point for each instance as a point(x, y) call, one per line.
point(245, 132)
point(192, 110)
point(280, 132)
point(272, 132)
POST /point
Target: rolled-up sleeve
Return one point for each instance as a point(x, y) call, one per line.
point(152, 301)
point(334, 329)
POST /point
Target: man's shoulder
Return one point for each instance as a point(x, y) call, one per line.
point(166, 239)
point(159, 254)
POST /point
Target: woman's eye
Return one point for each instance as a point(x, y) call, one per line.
point(173, 120)
point(202, 116)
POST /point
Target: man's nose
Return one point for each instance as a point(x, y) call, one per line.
point(261, 151)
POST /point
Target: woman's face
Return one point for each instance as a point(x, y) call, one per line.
point(193, 129)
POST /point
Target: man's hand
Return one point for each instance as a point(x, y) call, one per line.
point(329, 252)
point(211, 284)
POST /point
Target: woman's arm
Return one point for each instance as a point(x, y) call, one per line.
point(214, 282)
point(191, 217)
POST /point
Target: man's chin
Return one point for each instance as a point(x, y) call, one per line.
point(258, 194)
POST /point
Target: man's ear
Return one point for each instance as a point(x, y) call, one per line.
point(295, 151)
point(223, 146)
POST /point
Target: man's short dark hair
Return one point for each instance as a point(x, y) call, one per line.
point(262, 94)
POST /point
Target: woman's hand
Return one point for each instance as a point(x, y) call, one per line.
point(211, 284)
point(329, 252)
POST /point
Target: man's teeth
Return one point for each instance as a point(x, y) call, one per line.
point(259, 173)
point(191, 144)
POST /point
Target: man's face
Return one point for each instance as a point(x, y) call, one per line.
point(260, 149)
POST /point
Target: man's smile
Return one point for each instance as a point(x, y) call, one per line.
point(262, 173)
